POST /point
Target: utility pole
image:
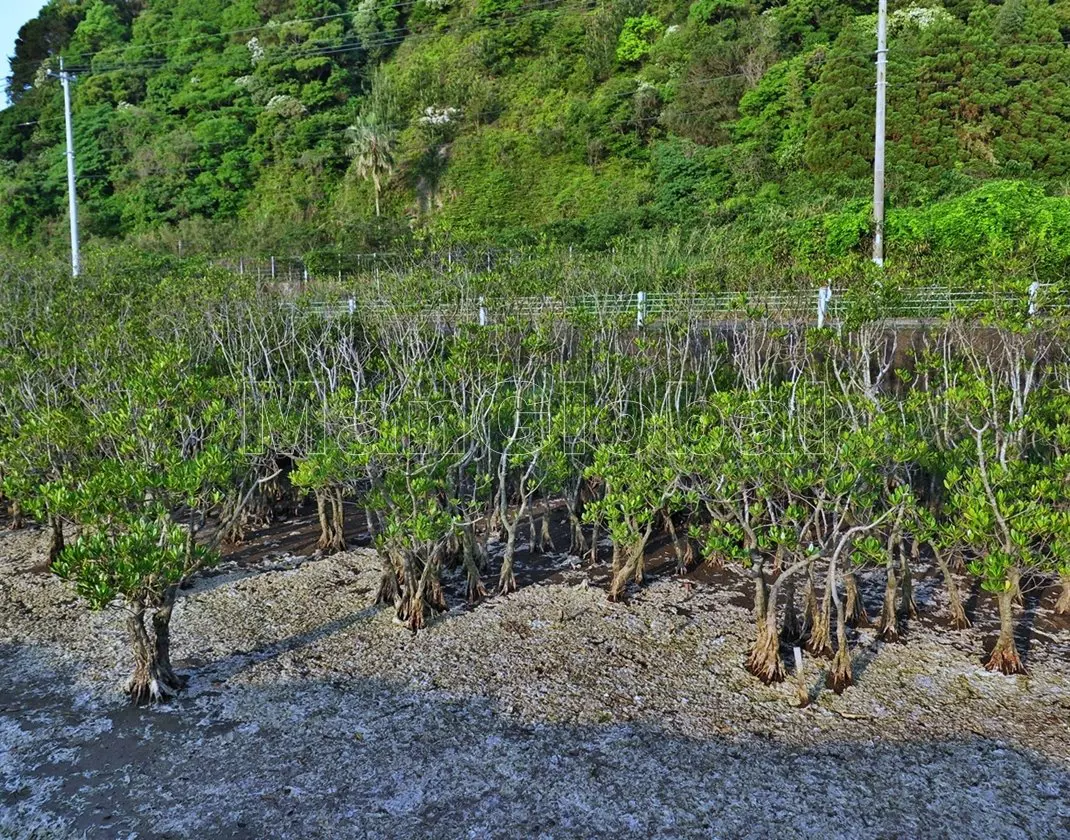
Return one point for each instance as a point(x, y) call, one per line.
point(878, 146)
point(72, 195)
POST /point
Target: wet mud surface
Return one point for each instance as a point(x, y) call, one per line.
point(547, 713)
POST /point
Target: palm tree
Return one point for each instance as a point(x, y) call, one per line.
point(371, 146)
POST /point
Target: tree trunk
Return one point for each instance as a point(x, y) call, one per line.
point(1062, 607)
point(389, 586)
point(17, 522)
point(161, 625)
point(545, 537)
point(629, 566)
point(820, 641)
point(331, 514)
point(840, 676)
point(593, 556)
point(1015, 578)
point(954, 596)
point(407, 605)
point(1004, 656)
point(855, 610)
point(908, 607)
point(56, 543)
point(338, 520)
point(153, 678)
point(422, 590)
point(506, 579)
point(888, 627)
point(764, 658)
point(577, 543)
point(778, 559)
point(494, 525)
point(471, 556)
point(616, 561)
point(321, 514)
point(534, 546)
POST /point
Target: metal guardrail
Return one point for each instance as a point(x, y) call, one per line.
point(921, 304)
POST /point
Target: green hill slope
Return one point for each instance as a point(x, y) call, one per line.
point(289, 124)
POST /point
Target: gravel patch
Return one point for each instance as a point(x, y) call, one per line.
point(548, 713)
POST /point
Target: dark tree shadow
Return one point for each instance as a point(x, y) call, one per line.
point(371, 758)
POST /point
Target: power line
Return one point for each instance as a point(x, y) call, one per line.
point(271, 24)
point(389, 38)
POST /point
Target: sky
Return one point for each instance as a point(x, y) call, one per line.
point(13, 14)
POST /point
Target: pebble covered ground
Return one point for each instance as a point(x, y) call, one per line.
point(549, 713)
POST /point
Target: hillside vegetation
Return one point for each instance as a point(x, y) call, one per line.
point(744, 129)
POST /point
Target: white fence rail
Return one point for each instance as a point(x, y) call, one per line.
point(915, 305)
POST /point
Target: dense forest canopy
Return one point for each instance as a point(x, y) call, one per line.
point(296, 124)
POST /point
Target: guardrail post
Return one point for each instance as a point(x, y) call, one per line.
point(482, 313)
point(241, 267)
point(272, 268)
point(1034, 287)
point(824, 295)
point(352, 306)
point(640, 307)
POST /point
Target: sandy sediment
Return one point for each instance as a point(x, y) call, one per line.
point(547, 713)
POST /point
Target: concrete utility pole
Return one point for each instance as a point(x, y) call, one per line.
point(72, 195)
point(878, 146)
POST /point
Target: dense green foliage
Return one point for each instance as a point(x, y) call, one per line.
point(155, 408)
point(291, 125)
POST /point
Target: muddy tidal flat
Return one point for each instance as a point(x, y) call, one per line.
point(549, 713)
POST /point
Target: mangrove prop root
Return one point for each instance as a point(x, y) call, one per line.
point(888, 627)
point(471, 557)
point(17, 520)
point(840, 676)
point(954, 595)
point(1004, 657)
point(819, 642)
point(577, 542)
point(689, 556)
point(56, 542)
point(476, 590)
point(855, 610)
point(506, 578)
point(153, 678)
point(332, 524)
point(389, 590)
point(546, 540)
point(764, 658)
point(629, 567)
point(1062, 607)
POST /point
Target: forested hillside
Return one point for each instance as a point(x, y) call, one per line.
point(746, 127)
